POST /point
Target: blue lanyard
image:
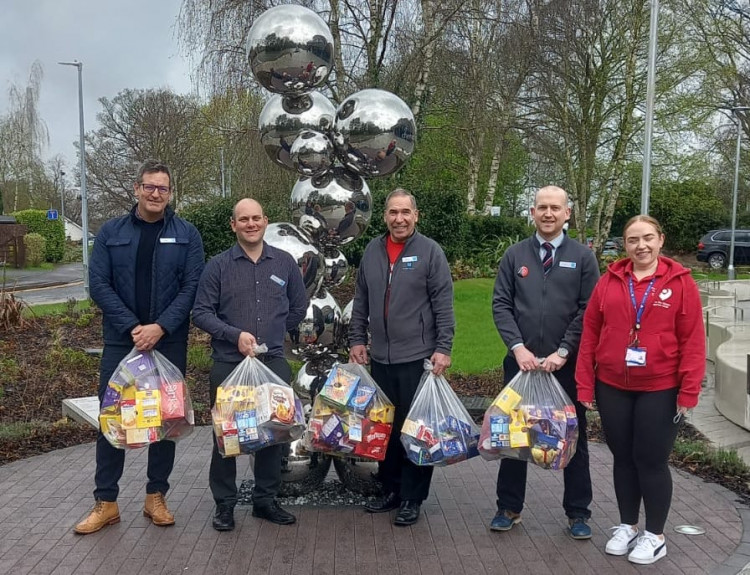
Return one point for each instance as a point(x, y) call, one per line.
point(639, 308)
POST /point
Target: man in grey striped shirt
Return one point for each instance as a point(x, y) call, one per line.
point(249, 295)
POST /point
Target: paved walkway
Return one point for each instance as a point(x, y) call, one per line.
point(41, 498)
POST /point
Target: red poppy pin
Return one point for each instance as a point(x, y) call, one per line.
point(523, 271)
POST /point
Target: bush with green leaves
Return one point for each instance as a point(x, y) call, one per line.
point(686, 210)
point(34, 244)
point(53, 232)
point(211, 218)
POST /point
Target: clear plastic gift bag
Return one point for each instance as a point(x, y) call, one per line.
point(351, 415)
point(532, 419)
point(254, 409)
point(146, 400)
point(438, 430)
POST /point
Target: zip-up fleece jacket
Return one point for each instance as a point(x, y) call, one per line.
point(177, 265)
point(671, 331)
point(419, 297)
point(543, 312)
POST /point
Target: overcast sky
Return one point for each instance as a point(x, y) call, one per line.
point(122, 44)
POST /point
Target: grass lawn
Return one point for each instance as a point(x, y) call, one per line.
point(477, 346)
point(55, 308)
point(719, 275)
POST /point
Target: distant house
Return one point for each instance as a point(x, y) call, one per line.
point(74, 232)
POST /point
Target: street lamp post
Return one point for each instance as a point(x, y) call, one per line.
point(730, 268)
point(62, 195)
point(84, 194)
point(650, 92)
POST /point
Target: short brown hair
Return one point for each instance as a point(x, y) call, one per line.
point(153, 167)
point(646, 220)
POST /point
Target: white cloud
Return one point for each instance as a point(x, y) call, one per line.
point(122, 44)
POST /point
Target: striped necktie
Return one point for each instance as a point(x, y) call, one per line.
point(547, 260)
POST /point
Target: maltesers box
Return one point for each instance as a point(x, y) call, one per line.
point(172, 399)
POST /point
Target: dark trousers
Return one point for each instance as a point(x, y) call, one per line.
point(400, 476)
point(640, 433)
point(511, 477)
point(222, 477)
point(110, 461)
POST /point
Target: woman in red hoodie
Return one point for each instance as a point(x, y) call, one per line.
point(643, 357)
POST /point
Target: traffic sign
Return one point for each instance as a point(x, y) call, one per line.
point(51, 214)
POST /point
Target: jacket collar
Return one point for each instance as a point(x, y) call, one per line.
point(168, 214)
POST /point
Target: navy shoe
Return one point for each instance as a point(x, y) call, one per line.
point(504, 520)
point(579, 529)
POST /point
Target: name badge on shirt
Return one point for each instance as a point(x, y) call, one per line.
point(278, 280)
point(571, 265)
point(635, 357)
point(407, 259)
point(167, 240)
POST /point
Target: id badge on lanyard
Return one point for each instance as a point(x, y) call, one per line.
point(635, 355)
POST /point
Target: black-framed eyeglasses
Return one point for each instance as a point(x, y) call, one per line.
point(150, 189)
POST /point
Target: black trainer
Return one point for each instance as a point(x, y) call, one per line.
point(388, 503)
point(274, 513)
point(224, 518)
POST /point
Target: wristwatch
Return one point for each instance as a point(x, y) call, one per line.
point(562, 352)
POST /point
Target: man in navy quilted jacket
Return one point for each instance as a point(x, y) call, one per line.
point(143, 274)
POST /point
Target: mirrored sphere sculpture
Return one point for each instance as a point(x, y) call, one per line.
point(288, 237)
point(321, 320)
point(339, 200)
point(374, 133)
point(283, 118)
point(337, 268)
point(311, 153)
point(290, 49)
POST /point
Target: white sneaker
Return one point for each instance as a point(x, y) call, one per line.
point(649, 549)
point(623, 540)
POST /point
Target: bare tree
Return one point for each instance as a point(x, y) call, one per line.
point(24, 133)
point(140, 124)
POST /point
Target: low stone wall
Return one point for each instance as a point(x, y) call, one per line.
point(728, 345)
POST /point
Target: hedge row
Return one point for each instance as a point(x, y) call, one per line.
point(53, 232)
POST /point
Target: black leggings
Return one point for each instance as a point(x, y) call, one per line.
point(640, 433)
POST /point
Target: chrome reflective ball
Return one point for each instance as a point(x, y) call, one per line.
point(337, 268)
point(291, 239)
point(311, 153)
point(339, 200)
point(290, 49)
point(283, 118)
point(375, 133)
point(311, 377)
point(322, 317)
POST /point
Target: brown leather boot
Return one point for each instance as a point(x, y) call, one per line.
point(156, 509)
point(104, 513)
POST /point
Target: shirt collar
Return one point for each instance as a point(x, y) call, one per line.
point(238, 252)
point(556, 242)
